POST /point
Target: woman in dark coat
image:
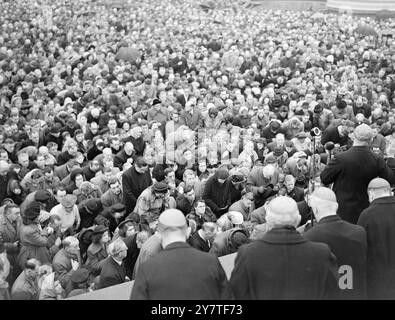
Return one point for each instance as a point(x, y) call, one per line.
point(33, 240)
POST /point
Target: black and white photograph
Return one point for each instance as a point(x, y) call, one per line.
point(206, 151)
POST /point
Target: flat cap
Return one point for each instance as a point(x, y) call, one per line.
point(92, 204)
point(80, 276)
point(42, 195)
point(172, 218)
point(270, 159)
point(378, 183)
point(160, 187)
point(363, 132)
point(100, 229)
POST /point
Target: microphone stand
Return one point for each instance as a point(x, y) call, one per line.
point(315, 132)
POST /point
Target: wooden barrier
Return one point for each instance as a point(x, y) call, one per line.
point(122, 291)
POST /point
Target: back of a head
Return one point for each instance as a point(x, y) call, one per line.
point(363, 134)
point(172, 223)
point(282, 211)
point(209, 226)
point(378, 188)
point(324, 199)
point(115, 247)
point(70, 242)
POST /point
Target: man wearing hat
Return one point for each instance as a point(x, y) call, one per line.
point(216, 192)
point(79, 282)
point(282, 264)
point(154, 200)
point(271, 130)
point(159, 114)
point(203, 277)
point(346, 241)
point(379, 222)
point(351, 171)
point(88, 210)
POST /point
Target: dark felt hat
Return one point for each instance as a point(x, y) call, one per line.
point(42, 195)
point(160, 187)
point(32, 210)
point(80, 275)
point(100, 229)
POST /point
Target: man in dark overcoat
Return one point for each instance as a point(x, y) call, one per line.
point(379, 221)
point(180, 271)
point(282, 264)
point(351, 171)
point(346, 241)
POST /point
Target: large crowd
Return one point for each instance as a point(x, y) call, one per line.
point(109, 116)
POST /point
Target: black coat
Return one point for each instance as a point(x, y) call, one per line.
point(111, 273)
point(332, 134)
point(132, 255)
point(348, 243)
point(138, 144)
point(198, 242)
point(284, 265)
point(297, 194)
point(133, 184)
point(203, 277)
point(379, 221)
point(351, 171)
point(217, 195)
point(120, 158)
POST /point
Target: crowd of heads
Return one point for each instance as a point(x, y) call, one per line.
point(88, 91)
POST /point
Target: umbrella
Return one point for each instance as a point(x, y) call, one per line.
point(318, 15)
point(128, 54)
point(365, 30)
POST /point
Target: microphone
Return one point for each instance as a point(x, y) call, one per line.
point(329, 146)
point(315, 132)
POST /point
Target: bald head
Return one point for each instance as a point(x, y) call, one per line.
point(323, 202)
point(282, 211)
point(378, 188)
point(129, 148)
point(172, 227)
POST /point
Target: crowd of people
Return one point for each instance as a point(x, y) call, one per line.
point(111, 117)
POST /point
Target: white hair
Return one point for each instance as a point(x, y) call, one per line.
point(115, 247)
point(70, 241)
point(282, 211)
point(268, 170)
